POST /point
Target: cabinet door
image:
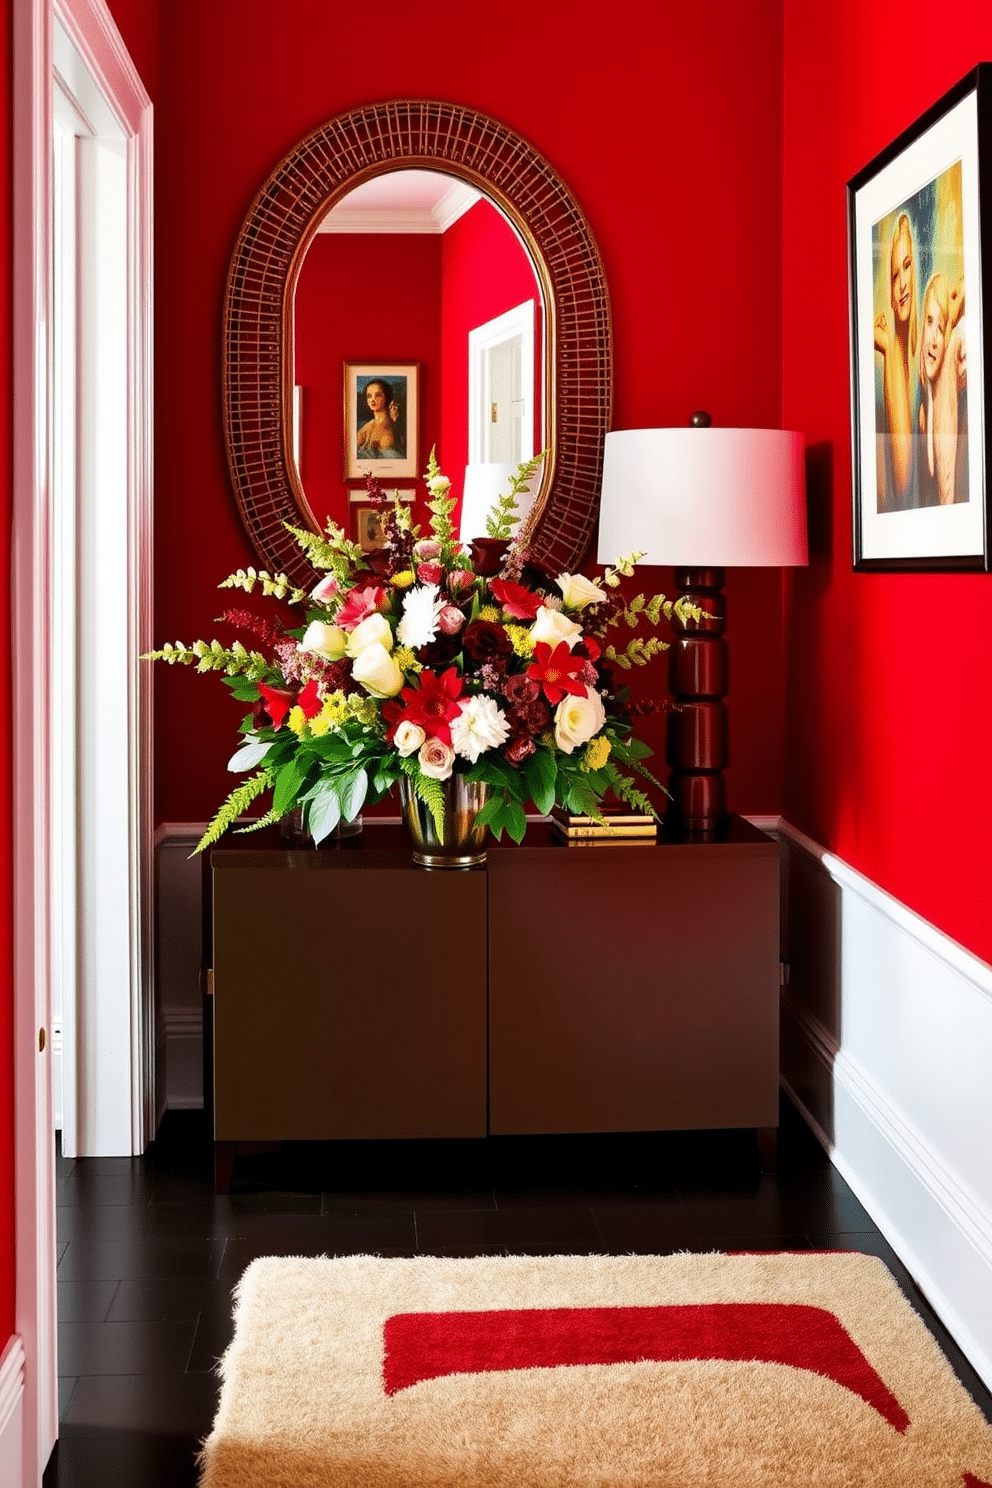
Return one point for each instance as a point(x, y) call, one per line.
point(348, 1002)
point(634, 989)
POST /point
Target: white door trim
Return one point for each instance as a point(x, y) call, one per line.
point(94, 36)
point(519, 321)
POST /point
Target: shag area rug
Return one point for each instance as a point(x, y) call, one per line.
point(805, 1370)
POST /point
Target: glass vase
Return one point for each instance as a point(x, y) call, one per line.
point(460, 842)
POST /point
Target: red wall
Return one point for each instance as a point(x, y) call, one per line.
point(363, 297)
point(682, 188)
point(485, 272)
point(889, 707)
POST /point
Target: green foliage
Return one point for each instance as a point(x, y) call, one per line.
point(506, 513)
point(211, 656)
point(637, 652)
point(440, 505)
point(236, 805)
point(276, 586)
point(429, 791)
point(623, 568)
point(332, 552)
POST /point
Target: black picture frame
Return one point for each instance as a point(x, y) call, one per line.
point(918, 226)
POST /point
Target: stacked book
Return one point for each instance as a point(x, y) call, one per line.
point(619, 826)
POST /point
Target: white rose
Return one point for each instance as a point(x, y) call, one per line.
point(408, 737)
point(578, 591)
point(373, 630)
point(376, 671)
point(577, 719)
point(481, 725)
point(552, 626)
point(324, 640)
point(436, 759)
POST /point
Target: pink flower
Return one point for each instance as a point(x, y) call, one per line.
point(427, 547)
point(450, 620)
point(326, 589)
point(360, 604)
point(459, 579)
point(429, 573)
point(436, 759)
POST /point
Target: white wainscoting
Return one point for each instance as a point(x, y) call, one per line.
point(887, 1048)
point(12, 1413)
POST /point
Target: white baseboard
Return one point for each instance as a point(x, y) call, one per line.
point(886, 1046)
point(12, 1465)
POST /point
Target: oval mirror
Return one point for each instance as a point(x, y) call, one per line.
point(418, 298)
point(266, 420)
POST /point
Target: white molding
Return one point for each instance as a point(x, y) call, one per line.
point(12, 1412)
point(30, 540)
point(92, 29)
point(434, 219)
point(897, 1091)
point(926, 935)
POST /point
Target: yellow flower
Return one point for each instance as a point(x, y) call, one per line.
point(297, 720)
point(490, 612)
point(319, 725)
point(597, 753)
point(521, 640)
point(403, 580)
point(406, 660)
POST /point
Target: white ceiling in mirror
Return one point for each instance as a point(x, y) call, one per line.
point(402, 201)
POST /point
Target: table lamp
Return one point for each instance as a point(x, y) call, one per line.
point(702, 499)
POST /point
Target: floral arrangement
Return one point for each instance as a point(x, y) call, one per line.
point(410, 662)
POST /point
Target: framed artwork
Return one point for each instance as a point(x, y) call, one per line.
point(381, 420)
point(366, 526)
point(917, 229)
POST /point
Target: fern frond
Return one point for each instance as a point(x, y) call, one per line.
point(211, 656)
point(626, 789)
point(278, 586)
point(263, 821)
point(622, 568)
point(236, 805)
point(505, 515)
point(637, 652)
point(430, 791)
point(329, 550)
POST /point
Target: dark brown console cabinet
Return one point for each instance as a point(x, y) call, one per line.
point(562, 988)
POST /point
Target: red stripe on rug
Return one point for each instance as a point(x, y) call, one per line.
point(427, 1345)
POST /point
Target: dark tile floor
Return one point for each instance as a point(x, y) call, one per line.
point(148, 1253)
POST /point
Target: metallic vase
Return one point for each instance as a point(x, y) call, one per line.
point(460, 843)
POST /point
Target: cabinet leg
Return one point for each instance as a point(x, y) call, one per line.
point(224, 1155)
point(768, 1148)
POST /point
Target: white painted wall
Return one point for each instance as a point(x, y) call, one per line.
point(887, 1046)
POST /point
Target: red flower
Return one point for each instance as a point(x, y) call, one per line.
point(309, 699)
point(555, 670)
point(515, 599)
point(432, 705)
point(277, 702)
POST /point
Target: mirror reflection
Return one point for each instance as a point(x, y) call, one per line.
point(418, 319)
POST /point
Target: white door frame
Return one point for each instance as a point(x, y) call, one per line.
point(519, 321)
point(107, 67)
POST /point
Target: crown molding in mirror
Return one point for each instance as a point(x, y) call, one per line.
point(257, 347)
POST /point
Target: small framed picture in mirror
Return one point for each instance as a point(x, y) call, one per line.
point(366, 521)
point(381, 419)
